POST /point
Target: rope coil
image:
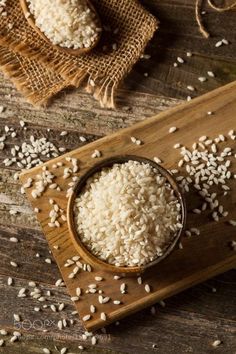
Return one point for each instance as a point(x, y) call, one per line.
point(198, 7)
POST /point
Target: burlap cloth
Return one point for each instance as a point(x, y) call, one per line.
point(40, 71)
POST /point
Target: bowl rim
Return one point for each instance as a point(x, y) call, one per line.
point(83, 251)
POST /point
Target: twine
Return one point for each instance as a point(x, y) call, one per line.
point(198, 7)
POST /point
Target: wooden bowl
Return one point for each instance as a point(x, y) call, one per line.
point(75, 52)
point(82, 249)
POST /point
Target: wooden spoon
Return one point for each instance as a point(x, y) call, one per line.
point(31, 20)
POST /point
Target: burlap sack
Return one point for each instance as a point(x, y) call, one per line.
point(101, 70)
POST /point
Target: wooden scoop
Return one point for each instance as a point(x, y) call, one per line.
point(31, 20)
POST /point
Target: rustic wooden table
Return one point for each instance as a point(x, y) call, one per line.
point(189, 322)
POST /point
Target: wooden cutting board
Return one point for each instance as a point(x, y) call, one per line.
point(202, 256)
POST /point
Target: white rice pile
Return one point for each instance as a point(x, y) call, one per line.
point(67, 23)
point(127, 215)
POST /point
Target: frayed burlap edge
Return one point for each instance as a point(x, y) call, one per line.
point(104, 91)
point(11, 65)
point(105, 88)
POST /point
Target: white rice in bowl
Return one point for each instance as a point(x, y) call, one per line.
point(128, 214)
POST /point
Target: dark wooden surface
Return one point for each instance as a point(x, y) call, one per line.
point(191, 321)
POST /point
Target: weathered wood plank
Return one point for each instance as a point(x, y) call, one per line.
point(192, 319)
point(78, 111)
point(31, 242)
point(178, 33)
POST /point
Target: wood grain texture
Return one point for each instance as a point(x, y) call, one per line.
point(192, 319)
point(178, 34)
point(202, 257)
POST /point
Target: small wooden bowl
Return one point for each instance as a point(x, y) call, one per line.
point(82, 249)
point(75, 52)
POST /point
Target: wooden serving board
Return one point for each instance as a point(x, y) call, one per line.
point(202, 256)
